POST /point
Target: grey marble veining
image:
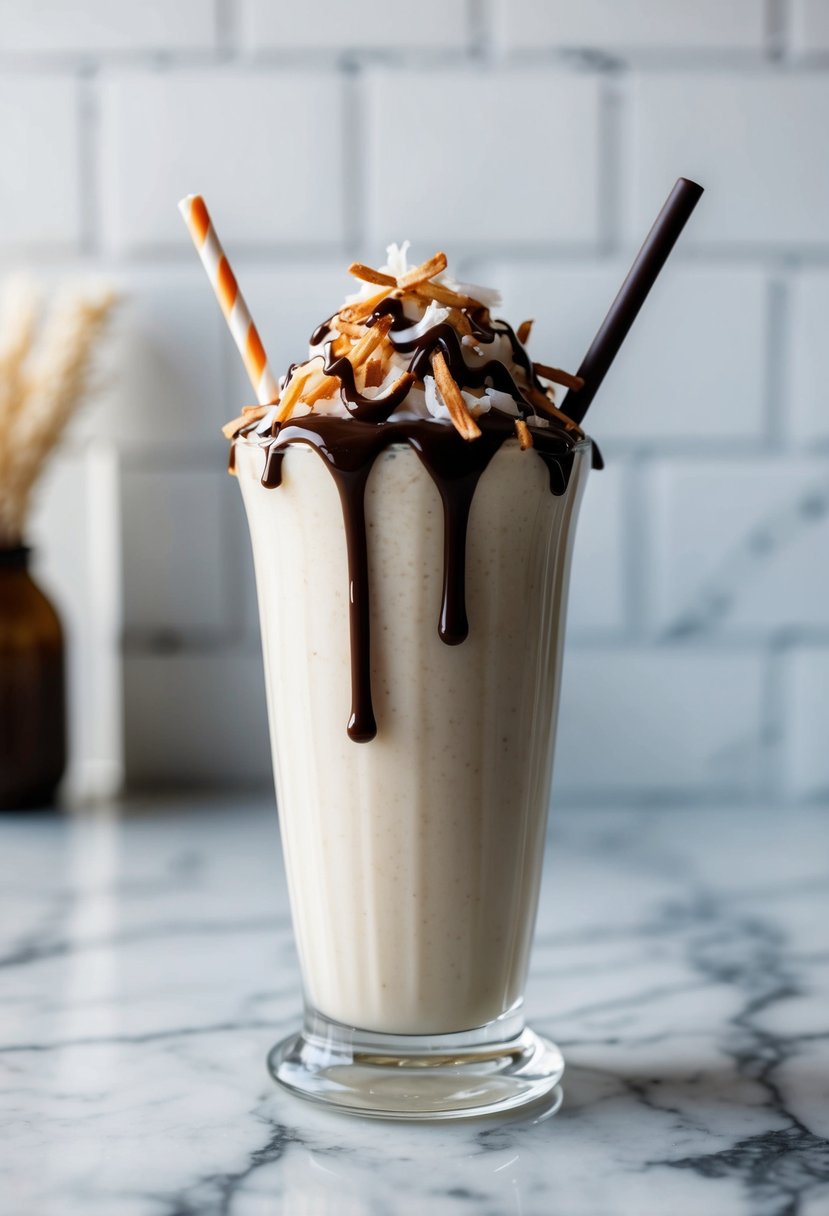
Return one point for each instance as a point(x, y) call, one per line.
point(146, 966)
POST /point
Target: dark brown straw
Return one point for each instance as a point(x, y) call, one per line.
point(632, 295)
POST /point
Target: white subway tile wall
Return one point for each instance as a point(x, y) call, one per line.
point(535, 141)
point(76, 541)
point(512, 184)
point(40, 191)
point(329, 26)
point(174, 561)
point(165, 367)
point(738, 546)
point(810, 26)
point(806, 688)
point(104, 25)
point(808, 371)
point(614, 25)
point(662, 722)
point(754, 137)
point(197, 718)
point(252, 140)
point(700, 346)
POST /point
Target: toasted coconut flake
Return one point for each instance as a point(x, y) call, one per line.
point(566, 422)
point(423, 273)
point(349, 328)
point(369, 342)
point(292, 393)
point(558, 376)
point(230, 428)
point(369, 350)
point(540, 400)
point(544, 405)
point(374, 372)
point(444, 295)
point(249, 415)
point(525, 438)
point(460, 321)
point(318, 387)
point(362, 309)
point(462, 420)
point(407, 378)
point(366, 274)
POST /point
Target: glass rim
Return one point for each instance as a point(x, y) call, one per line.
point(398, 445)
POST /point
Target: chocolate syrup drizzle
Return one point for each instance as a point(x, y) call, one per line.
point(444, 337)
point(367, 409)
point(350, 446)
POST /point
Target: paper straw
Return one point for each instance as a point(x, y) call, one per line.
point(232, 302)
point(632, 295)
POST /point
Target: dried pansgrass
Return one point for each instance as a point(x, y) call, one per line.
point(44, 378)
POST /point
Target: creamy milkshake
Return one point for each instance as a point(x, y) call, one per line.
point(412, 497)
point(413, 860)
point(412, 490)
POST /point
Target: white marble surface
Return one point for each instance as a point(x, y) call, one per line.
point(682, 963)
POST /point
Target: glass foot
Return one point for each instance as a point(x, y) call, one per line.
point(452, 1076)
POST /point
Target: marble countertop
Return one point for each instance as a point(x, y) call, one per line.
point(681, 962)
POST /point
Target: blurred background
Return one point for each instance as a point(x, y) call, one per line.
point(533, 140)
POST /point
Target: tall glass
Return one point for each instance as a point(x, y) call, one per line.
point(414, 860)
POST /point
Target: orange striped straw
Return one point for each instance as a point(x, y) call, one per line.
point(245, 334)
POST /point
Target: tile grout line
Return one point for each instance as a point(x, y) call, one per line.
point(355, 133)
point(89, 162)
point(479, 23)
point(226, 16)
point(778, 22)
point(612, 131)
point(777, 406)
point(777, 60)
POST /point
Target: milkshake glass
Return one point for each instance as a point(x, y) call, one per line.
point(414, 860)
point(414, 465)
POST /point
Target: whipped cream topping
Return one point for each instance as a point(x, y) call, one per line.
point(458, 321)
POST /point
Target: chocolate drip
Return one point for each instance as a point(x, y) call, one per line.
point(453, 626)
point(392, 307)
point(349, 447)
point(559, 468)
point(272, 473)
point(445, 337)
point(456, 474)
point(351, 484)
point(231, 457)
point(442, 337)
point(519, 355)
point(322, 331)
point(367, 409)
point(484, 329)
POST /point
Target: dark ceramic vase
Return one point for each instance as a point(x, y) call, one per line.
point(32, 688)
